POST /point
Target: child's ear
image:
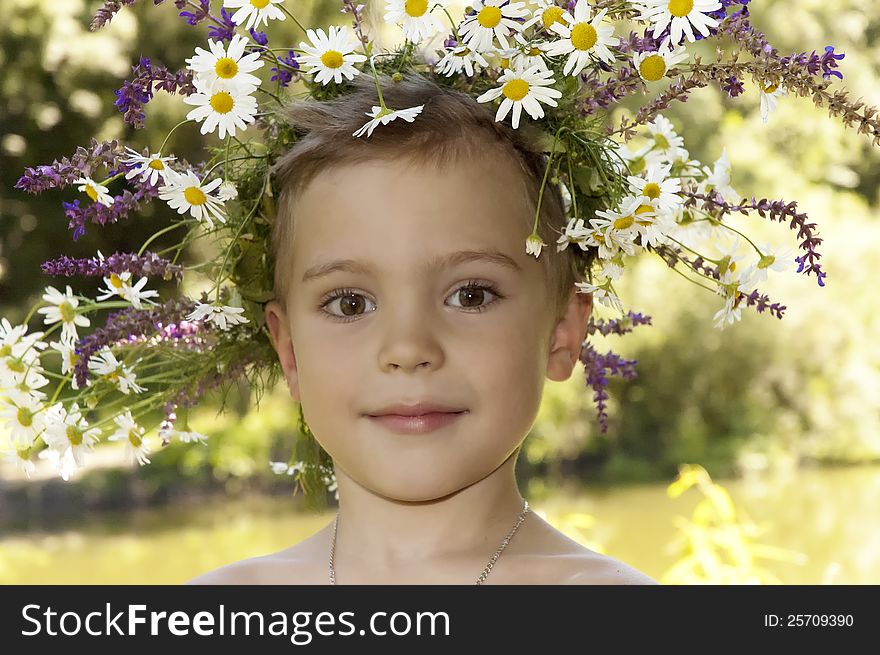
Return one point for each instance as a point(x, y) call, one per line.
point(279, 328)
point(568, 335)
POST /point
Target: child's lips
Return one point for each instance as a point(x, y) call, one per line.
point(417, 424)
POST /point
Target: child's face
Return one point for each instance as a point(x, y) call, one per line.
point(412, 334)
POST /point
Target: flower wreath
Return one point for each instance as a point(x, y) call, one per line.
point(562, 66)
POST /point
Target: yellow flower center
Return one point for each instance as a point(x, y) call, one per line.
point(25, 417)
point(505, 62)
point(661, 141)
point(15, 365)
point(332, 59)
point(644, 209)
point(766, 260)
point(115, 281)
point(221, 102)
point(680, 8)
point(551, 15)
point(416, 8)
point(653, 68)
point(194, 195)
point(156, 165)
point(464, 52)
point(651, 190)
point(624, 222)
point(67, 313)
point(598, 236)
point(584, 36)
point(74, 435)
point(226, 67)
point(5, 351)
point(637, 166)
point(771, 88)
point(489, 17)
point(134, 438)
point(516, 89)
point(534, 52)
point(259, 4)
point(92, 192)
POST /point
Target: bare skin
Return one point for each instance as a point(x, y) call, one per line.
point(428, 508)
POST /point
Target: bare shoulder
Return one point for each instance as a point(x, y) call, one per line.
point(295, 565)
point(595, 568)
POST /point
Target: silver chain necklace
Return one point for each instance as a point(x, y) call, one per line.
point(486, 570)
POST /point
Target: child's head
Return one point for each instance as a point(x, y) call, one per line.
point(417, 324)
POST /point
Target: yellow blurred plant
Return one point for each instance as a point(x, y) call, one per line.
point(714, 545)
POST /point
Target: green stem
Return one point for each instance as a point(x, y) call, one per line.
point(173, 226)
point(286, 11)
point(544, 181)
point(162, 147)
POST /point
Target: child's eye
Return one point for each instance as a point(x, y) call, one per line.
point(351, 302)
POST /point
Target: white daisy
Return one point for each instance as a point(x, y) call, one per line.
point(730, 313)
point(137, 446)
point(184, 192)
point(667, 143)
point(457, 58)
point(21, 458)
point(653, 66)
point(602, 293)
point(97, 192)
point(69, 358)
point(227, 191)
point(656, 185)
point(63, 309)
point(221, 316)
point(547, 12)
point(718, 179)
point(105, 365)
point(574, 232)
point(770, 99)
point(385, 116)
point(228, 64)
point(185, 436)
point(25, 420)
point(684, 15)
point(254, 12)
point(150, 168)
point(779, 261)
point(523, 88)
point(582, 37)
point(282, 468)
point(120, 285)
point(612, 270)
point(225, 105)
point(418, 22)
point(530, 53)
point(615, 230)
point(331, 55)
point(69, 436)
point(490, 22)
point(24, 380)
point(534, 244)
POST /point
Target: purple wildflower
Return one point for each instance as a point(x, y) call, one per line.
point(137, 92)
point(259, 37)
point(59, 174)
point(226, 28)
point(283, 75)
point(99, 214)
point(733, 86)
point(596, 368)
point(197, 16)
point(119, 262)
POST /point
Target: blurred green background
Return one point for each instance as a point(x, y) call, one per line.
point(783, 415)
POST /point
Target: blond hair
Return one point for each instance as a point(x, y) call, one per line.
point(452, 125)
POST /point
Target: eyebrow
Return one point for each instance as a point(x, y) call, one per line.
point(442, 261)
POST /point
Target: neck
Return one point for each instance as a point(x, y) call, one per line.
point(382, 533)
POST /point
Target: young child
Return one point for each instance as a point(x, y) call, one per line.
point(402, 285)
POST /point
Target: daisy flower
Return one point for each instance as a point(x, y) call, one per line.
point(105, 365)
point(660, 189)
point(683, 15)
point(21, 457)
point(781, 262)
point(227, 191)
point(457, 58)
point(25, 420)
point(97, 192)
point(255, 12)
point(69, 437)
point(616, 229)
point(547, 12)
point(770, 99)
point(730, 313)
point(582, 37)
point(385, 116)
point(418, 22)
point(221, 316)
point(653, 66)
point(574, 232)
point(150, 168)
point(63, 309)
point(227, 106)
point(718, 179)
point(281, 468)
point(523, 88)
point(185, 436)
point(530, 53)
point(534, 244)
point(69, 358)
point(120, 285)
point(228, 64)
point(184, 192)
point(667, 143)
point(21, 381)
point(611, 270)
point(490, 22)
point(331, 55)
point(137, 446)
point(601, 293)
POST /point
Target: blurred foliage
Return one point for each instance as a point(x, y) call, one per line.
point(759, 394)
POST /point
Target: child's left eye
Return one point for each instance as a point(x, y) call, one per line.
point(475, 291)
